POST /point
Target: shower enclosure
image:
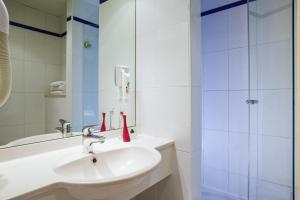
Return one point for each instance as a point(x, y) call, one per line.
point(248, 82)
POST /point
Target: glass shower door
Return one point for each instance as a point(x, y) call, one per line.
point(270, 49)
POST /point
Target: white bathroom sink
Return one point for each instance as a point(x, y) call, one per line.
point(33, 139)
point(116, 169)
point(109, 166)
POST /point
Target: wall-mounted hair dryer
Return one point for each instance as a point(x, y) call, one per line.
point(5, 67)
point(122, 82)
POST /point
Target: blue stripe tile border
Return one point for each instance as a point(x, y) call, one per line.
point(102, 1)
point(36, 29)
point(63, 34)
point(52, 33)
point(69, 18)
point(225, 7)
point(83, 21)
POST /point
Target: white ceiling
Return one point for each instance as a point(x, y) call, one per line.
point(54, 7)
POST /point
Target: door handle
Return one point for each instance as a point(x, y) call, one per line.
point(252, 101)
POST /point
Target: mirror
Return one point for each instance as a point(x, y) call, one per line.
point(37, 42)
point(117, 61)
point(65, 62)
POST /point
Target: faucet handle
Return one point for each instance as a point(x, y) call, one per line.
point(59, 129)
point(88, 130)
point(67, 127)
point(62, 121)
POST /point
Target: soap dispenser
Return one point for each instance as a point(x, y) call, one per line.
point(103, 126)
point(126, 136)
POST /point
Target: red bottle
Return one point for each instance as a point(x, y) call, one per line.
point(126, 137)
point(103, 127)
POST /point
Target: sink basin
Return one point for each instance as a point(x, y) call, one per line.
point(119, 168)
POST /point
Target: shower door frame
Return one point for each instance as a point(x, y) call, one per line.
point(295, 97)
point(296, 60)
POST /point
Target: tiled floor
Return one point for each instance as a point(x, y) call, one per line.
point(216, 196)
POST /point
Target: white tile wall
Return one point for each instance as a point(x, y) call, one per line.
point(215, 179)
point(80, 10)
point(12, 113)
point(196, 173)
point(215, 108)
point(18, 70)
point(273, 20)
point(53, 23)
point(34, 17)
point(54, 112)
point(238, 111)
point(238, 185)
point(15, 10)
point(216, 155)
point(215, 38)
point(53, 73)
point(36, 61)
point(35, 42)
point(172, 40)
point(16, 132)
point(184, 168)
point(238, 68)
point(274, 65)
point(196, 100)
point(159, 115)
point(164, 90)
point(215, 71)
point(111, 102)
point(34, 108)
point(275, 113)
point(197, 125)
point(35, 73)
point(267, 190)
point(17, 42)
point(238, 28)
point(209, 4)
point(273, 150)
point(54, 50)
point(238, 153)
point(34, 129)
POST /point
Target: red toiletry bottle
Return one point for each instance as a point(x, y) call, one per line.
point(103, 127)
point(126, 137)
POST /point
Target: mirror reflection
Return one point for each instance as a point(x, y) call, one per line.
point(117, 61)
point(73, 65)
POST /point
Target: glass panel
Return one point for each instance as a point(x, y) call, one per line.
point(248, 100)
point(225, 91)
point(85, 81)
point(271, 83)
point(90, 75)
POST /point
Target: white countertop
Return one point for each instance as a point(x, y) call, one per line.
point(32, 173)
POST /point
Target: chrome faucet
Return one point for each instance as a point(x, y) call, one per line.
point(89, 138)
point(65, 126)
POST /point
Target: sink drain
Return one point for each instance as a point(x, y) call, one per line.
point(94, 160)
